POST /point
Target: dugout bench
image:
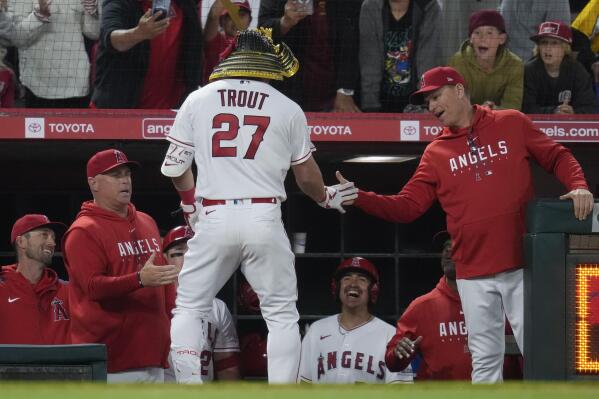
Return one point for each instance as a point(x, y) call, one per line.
point(53, 362)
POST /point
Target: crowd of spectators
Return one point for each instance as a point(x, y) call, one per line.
point(356, 55)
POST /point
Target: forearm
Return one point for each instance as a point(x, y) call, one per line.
point(309, 179)
point(393, 208)
point(184, 182)
point(124, 39)
point(108, 287)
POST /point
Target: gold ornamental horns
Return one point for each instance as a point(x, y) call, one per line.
point(256, 56)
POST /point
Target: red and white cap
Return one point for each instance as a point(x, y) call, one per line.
point(105, 160)
point(242, 4)
point(554, 29)
point(34, 221)
point(434, 79)
point(175, 236)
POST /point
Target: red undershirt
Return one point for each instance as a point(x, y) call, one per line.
point(163, 85)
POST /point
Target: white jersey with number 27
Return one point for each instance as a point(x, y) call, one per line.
point(245, 135)
point(333, 355)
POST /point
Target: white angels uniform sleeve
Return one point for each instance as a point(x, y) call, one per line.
point(332, 355)
point(245, 135)
point(299, 138)
point(181, 131)
point(226, 338)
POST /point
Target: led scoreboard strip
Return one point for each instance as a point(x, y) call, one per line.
point(587, 322)
point(561, 293)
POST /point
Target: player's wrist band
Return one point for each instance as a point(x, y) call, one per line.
point(139, 279)
point(188, 196)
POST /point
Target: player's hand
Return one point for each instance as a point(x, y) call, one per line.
point(583, 202)
point(345, 103)
point(348, 188)
point(190, 213)
point(148, 27)
point(332, 199)
point(155, 276)
point(405, 347)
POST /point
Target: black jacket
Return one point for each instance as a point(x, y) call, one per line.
point(120, 75)
point(541, 93)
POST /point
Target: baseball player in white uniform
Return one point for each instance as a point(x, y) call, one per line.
point(243, 136)
point(349, 347)
point(222, 361)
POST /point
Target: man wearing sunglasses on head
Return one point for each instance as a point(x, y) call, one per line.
point(478, 169)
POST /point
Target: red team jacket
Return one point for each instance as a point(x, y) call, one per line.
point(438, 318)
point(485, 206)
point(103, 253)
point(33, 314)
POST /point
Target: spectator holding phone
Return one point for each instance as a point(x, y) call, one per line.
point(146, 59)
point(220, 31)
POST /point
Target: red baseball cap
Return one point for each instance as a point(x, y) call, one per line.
point(554, 29)
point(105, 160)
point(242, 4)
point(175, 236)
point(434, 79)
point(486, 18)
point(34, 221)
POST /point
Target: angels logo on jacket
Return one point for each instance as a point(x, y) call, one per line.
point(60, 313)
point(478, 156)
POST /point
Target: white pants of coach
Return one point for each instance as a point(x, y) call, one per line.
point(147, 374)
point(486, 302)
point(251, 235)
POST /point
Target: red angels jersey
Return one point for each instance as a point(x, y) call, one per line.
point(34, 314)
point(222, 338)
point(333, 355)
point(245, 135)
point(436, 316)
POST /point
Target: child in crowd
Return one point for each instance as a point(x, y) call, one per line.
point(494, 74)
point(554, 82)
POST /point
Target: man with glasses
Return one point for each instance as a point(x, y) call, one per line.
point(479, 171)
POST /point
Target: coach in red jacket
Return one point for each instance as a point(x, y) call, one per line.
point(479, 171)
point(121, 290)
point(34, 305)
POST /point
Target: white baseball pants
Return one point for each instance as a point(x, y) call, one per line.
point(486, 302)
point(148, 374)
point(250, 235)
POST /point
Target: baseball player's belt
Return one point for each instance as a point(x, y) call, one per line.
point(212, 202)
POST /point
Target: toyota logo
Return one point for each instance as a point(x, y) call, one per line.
point(34, 127)
point(409, 130)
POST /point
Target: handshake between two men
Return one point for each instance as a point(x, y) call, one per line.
point(344, 193)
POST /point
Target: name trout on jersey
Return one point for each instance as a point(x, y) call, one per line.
point(242, 98)
point(351, 360)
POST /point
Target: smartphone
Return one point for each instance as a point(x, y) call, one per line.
point(161, 5)
point(306, 6)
